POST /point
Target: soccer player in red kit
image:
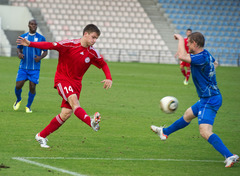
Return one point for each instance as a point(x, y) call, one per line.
point(75, 57)
point(185, 64)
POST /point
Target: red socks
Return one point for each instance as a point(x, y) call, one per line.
point(82, 115)
point(53, 126)
point(188, 74)
point(183, 72)
point(56, 122)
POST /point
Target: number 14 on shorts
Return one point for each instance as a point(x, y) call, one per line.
point(68, 89)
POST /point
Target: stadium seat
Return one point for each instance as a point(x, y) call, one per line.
point(125, 18)
point(217, 20)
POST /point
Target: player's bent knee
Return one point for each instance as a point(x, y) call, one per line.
point(65, 113)
point(205, 133)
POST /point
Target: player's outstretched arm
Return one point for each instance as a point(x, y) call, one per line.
point(182, 53)
point(23, 41)
point(108, 81)
point(40, 45)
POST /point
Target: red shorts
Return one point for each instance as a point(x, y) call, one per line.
point(65, 89)
point(185, 64)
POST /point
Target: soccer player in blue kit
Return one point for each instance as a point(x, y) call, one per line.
point(204, 77)
point(29, 68)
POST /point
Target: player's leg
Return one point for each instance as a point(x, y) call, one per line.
point(77, 110)
point(184, 121)
point(81, 113)
point(180, 123)
point(33, 77)
point(18, 89)
point(20, 80)
point(206, 120)
point(31, 96)
point(217, 143)
point(188, 73)
point(55, 123)
point(214, 140)
point(187, 65)
point(182, 68)
point(70, 101)
point(18, 93)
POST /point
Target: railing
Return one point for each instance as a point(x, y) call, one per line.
point(143, 56)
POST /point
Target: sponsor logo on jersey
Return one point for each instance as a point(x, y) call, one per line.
point(87, 60)
point(35, 39)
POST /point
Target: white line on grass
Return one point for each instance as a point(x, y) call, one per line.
point(28, 160)
point(23, 159)
point(122, 159)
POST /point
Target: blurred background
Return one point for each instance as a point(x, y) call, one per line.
point(132, 30)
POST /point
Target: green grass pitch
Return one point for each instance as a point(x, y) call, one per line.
point(125, 145)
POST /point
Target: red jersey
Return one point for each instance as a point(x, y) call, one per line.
point(185, 43)
point(74, 60)
point(185, 64)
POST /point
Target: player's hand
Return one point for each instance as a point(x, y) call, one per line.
point(107, 83)
point(22, 41)
point(20, 55)
point(177, 36)
point(37, 58)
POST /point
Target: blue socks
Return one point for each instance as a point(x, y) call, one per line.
point(18, 93)
point(31, 96)
point(214, 140)
point(217, 143)
point(177, 125)
point(30, 99)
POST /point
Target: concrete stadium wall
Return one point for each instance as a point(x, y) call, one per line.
point(15, 18)
point(12, 19)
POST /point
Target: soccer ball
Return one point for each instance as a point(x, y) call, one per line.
point(169, 104)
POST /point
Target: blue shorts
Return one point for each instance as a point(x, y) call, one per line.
point(31, 75)
point(206, 109)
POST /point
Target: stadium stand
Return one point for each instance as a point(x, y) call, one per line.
point(10, 28)
point(12, 35)
point(218, 20)
point(5, 47)
point(126, 29)
point(129, 33)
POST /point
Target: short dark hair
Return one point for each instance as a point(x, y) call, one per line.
point(189, 29)
point(32, 20)
point(198, 38)
point(91, 28)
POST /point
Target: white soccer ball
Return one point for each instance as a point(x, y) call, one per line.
point(169, 104)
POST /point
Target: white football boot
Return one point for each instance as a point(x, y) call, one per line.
point(28, 110)
point(95, 121)
point(159, 132)
point(230, 161)
point(185, 82)
point(42, 141)
point(16, 105)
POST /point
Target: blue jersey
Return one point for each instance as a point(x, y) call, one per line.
point(30, 53)
point(203, 74)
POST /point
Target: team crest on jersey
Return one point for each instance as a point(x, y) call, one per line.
point(35, 39)
point(199, 113)
point(87, 60)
